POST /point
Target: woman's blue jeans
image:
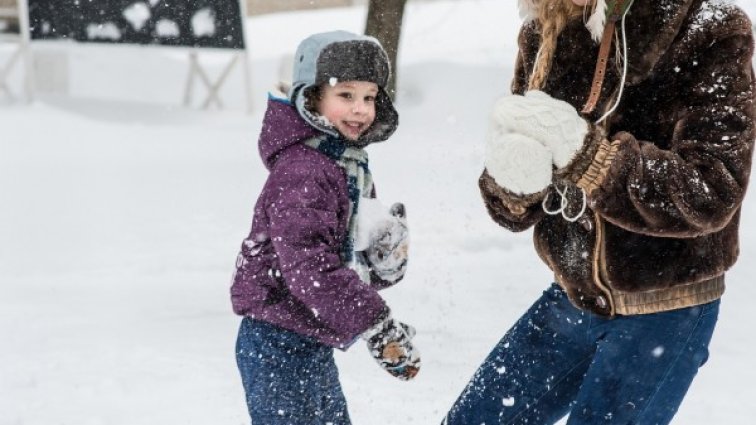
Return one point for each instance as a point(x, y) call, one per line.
point(560, 360)
point(288, 379)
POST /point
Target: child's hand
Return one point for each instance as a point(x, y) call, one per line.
point(383, 236)
point(389, 249)
point(390, 344)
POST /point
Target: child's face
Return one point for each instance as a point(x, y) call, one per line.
point(349, 106)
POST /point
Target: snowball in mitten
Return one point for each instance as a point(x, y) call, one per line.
point(552, 122)
point(390, 344)
point(518, 163)
point(383, 235)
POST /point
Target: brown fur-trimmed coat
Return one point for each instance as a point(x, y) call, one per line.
point(662, 224)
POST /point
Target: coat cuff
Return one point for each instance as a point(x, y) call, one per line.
point(515, 204)
point(377, 326)
point(591, 164)
point(596, 173)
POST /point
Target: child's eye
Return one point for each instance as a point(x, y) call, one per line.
point(369, 98)
point(346, 95)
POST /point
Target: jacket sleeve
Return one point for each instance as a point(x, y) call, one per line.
point(694, 182)
point(379, 284)
point(303, 211)
point(511, 211)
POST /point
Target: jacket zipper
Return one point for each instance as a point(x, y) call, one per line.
point(599, 263)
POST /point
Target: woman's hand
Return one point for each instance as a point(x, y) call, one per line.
point(553, 123)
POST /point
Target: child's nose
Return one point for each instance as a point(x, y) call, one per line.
point(359, 107)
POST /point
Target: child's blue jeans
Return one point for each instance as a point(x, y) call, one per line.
point(558, 359)
point(288, 379)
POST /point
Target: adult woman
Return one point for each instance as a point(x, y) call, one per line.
point(635, 202)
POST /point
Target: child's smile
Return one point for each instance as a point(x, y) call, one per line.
point(352, 129)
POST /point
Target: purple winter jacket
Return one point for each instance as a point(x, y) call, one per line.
point(289, 272)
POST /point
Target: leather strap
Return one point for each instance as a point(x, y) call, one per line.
point(599, 74)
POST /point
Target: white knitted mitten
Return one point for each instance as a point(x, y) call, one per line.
point(516, 162)
point(553, 123)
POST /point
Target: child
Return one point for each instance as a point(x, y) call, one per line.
point(301, 283)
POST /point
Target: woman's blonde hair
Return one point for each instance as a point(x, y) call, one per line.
point(553, 16)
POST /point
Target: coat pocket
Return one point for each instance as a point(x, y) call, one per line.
point(257, 280)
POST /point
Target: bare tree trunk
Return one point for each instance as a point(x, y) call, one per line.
point(384, 22)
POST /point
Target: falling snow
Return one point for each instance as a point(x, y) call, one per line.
point(150, 199)
point(658, 351)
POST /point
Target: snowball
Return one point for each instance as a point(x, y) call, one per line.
point(166, 28)
point(372, 217)
point(137, 14)
point(203, 23)
point(106, 31)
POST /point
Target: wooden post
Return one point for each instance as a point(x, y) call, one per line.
point(384, 22)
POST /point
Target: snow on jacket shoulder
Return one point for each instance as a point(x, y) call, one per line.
point(289, 272)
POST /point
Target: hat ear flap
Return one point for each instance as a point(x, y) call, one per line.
point(597, 21)
point(385, 123)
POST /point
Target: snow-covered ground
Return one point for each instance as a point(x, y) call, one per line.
point(121, 214)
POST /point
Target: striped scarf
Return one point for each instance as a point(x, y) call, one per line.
point(359, 184)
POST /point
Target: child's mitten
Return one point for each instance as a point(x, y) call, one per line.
point(390, 344)
point(389, 250)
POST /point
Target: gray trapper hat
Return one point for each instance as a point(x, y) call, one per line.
point(343, 56)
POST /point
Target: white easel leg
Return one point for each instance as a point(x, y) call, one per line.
point(189, 87)
point(5, 72)
point(247, 69)
point(213, 89)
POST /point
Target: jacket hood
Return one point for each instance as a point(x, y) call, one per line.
point(282, 127)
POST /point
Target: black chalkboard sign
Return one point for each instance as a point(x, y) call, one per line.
point(191, 23)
